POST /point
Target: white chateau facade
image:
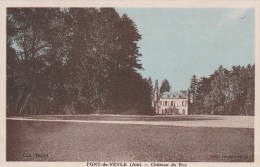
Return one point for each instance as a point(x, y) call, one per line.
point(171, 103)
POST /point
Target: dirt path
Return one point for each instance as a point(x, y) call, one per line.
point(207, 121)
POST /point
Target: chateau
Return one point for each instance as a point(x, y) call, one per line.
point(171, 103)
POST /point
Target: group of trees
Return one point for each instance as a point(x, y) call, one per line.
point(86, 60)
point(74, 60)
point(225, 92)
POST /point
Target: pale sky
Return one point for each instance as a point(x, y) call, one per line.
point(180, 42)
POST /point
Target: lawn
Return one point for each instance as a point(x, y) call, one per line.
point(69, 141)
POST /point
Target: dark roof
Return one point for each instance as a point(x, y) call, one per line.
point(176, 94)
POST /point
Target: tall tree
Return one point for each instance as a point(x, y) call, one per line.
point(226, 92)
point(193, 87)
point(165, 86)
point(33, 34)
point(150, 84)
point(250, 95)
point(74, 60)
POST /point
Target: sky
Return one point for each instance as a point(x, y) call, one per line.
point(178, 43)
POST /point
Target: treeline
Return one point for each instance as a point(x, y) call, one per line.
point(74, 60)
point(225, 92)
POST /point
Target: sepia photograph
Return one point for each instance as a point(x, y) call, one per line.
point(130, 84)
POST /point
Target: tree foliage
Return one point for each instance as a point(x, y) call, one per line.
point(73, 60)
point(193, 87)
point(226, 92)
point(165, 86)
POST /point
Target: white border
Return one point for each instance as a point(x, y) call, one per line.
point(124, 3)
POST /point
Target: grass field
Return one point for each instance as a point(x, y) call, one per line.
point(71, 141)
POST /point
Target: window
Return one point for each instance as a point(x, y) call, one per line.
point(160, 103)
point(165, 103)
point(171, 103)
point(182, 103)
point(183, 111)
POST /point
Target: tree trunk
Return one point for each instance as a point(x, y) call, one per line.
point(25, 102)
point(16, 106)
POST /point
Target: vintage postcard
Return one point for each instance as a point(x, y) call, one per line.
point(130, 83)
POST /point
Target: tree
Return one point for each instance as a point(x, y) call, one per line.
point(203, 88)
point(165, 86)
point(193, 87)
point(151, 88)
point(12, 80)
point(250, 96)
point(226, 92)
point(34, 34)
point(74, 60)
